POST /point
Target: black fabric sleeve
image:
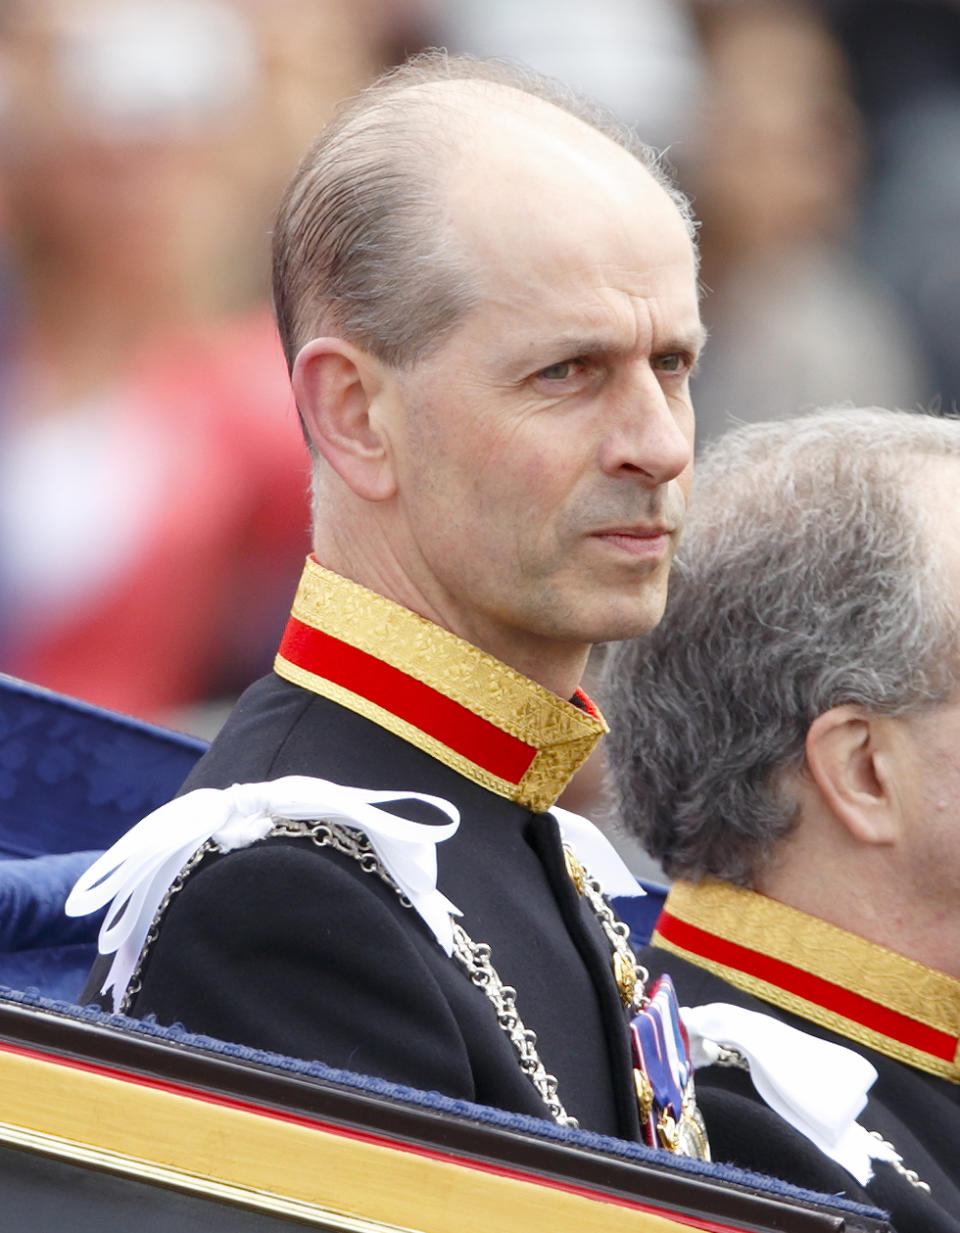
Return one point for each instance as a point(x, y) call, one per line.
point(300, 952)
point(745, 1132)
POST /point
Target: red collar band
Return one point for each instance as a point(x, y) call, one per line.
point(437, 691)
point(824, 974)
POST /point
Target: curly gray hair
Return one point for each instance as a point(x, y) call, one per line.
point(807, 578)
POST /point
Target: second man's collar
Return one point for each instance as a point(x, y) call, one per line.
point(831, 977)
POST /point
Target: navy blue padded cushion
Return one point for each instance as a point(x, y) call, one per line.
point(74, 777)
point(39, 945)
point(641, 911)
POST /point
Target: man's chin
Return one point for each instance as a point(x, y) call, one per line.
point(633, 624)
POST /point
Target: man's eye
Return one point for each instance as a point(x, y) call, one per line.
point(561, 371)
point(674, 362)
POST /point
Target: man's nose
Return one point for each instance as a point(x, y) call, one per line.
point(649, 435)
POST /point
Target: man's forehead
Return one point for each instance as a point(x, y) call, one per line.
point(552, 222)
point(503, 131)
point(548, 210)
point(554, 186)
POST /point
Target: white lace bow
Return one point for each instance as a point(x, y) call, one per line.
point(135, 874)
point(818, 1087)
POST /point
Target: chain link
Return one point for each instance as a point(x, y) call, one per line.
point(617, 933)
point(133, 984)
point(475, 957)
point(898, 1166)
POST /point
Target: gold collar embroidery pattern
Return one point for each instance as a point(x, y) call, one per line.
point(816, 970)
point(433, 689)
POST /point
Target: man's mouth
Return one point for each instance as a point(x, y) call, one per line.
point(643, 542)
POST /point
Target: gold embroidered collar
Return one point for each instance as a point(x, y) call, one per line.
point(840, 981)
point(433, 689)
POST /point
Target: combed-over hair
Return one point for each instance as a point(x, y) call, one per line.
point(809, 576)
point(360, 244)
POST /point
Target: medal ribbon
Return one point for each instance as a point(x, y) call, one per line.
point(660, 1052)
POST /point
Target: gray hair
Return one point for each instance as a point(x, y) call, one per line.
point(807, 578)
point(360, 244)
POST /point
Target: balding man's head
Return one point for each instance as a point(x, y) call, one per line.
point(488, 298)
point(366, 245)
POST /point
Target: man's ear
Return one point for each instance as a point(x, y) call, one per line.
point(338, 388)
point(851, 762)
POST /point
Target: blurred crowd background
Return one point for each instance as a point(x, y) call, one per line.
point(153, 510)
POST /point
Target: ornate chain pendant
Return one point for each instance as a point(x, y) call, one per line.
point(669, 1116)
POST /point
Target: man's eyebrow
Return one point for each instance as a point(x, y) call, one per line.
point(603, 342)
point(693, 340)
point(583, 343)
point(596, 343)
point(557, 347)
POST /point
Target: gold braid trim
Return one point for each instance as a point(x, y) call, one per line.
point(891, 981)
point(562, 734)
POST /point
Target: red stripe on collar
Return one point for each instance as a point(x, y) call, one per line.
point(402, 695)
point(808, 986)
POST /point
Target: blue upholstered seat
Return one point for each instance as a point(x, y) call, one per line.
point(73, 778)
point(641, 913)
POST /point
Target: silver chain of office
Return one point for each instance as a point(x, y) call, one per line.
point(133, 984)
point(475, 957)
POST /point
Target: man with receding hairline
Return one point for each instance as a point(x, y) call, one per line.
point(487, 294)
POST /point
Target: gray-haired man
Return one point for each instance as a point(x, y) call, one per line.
point(787, 743)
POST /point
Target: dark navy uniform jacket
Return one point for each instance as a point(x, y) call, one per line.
point(717, 935)
point(290, 947)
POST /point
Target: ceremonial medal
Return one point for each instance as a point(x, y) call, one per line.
point(664, 1077)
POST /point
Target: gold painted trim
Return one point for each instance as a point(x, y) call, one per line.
point(762, 924)
point(562, 734)
point(258, 1159)
point(181, 1180)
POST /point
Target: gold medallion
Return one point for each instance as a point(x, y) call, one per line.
point(574, 869)
point(691, 1132)
point(625, 974)
point(644, 1095)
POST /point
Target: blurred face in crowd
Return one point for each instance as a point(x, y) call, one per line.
point(544, 451)
point(145, 142)
point(88, 185)
point(780, 153)
point(113, 116)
